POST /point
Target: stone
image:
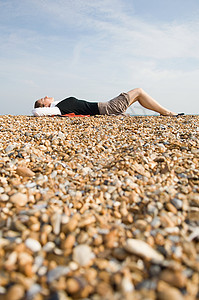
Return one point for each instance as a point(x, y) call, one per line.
point(194, 198)
point(33, 291)
point(170, 207)
point(4, 197)
point(166, 292)
point(127, 285)
point(72, 286)
point(33, 245)
point(176, 278)
point(56, 222)
point(142, 249)
point(140, 169)
point(69, 242)
point(83, 255)
point(19, 199)
point(71, 225)
point(11, 147)
point(177, 203)
point(24, 172)
point(57, 272)
point(15, 292)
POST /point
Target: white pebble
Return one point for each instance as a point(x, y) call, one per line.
point(127, 285)
point(33, 245)
point(49, 246)
point(82, 254)
point(4, 197)
point(1, 190)
point(140, 248)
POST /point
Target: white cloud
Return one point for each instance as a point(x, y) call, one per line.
point(109, 27)
point(110, 20)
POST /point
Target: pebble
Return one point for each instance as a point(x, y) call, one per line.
point(1, 190)
point(33, 245)
point(83, 255)
point(24, 172)
point(56, 222)
point(141, 248)
point(15, 292)
point(127, 285)
point(33, 291)
point(177, 203)
point(170, 207)
point(4, 197)
point(72, 285)
point(19, 199)
point(166, 292)
point(57, 272)
point(11, 147)
point(49, 246)
point(99, 207)
point(176, 279)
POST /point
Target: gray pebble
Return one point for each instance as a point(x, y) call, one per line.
point(57, 272)
point(177, 203)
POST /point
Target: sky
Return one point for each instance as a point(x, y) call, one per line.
point(96, 49)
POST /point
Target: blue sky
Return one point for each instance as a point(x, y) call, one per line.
point(95, 49)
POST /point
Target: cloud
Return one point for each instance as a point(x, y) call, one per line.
point(109, 21)
point(104, 28)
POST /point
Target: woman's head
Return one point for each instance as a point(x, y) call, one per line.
point(44, 102)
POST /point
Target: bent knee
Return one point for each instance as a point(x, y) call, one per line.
point(136, 92)
point(139, 91)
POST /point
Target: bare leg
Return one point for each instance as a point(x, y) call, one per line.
point(148, 102)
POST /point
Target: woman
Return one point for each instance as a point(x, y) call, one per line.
point(117, 106)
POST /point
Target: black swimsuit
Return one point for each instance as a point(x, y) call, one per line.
point(78, 107)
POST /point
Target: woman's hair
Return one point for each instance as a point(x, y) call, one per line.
point(38, 104)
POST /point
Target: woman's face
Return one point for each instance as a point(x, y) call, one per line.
point(46, 101)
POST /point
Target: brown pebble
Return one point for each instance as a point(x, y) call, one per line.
point(86, 291)
point(90, 274)
point(19, 199)
point(69, 242)
point(176, 279)
point(15, 292)
point(104, 289)
point(193, 214)
point(127, 219)
point(72, 286)
point(120, 253)
point(87, 221)
point(141, 224)
point(111, 238)
point(166, 221)
point(117, 214)
point(166, 292)
point(24, 172)
point(71, 225)
point(28, 270)
point(171, 207)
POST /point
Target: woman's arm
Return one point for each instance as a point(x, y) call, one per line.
point(46, 111)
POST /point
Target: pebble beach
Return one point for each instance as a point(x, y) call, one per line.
point(99, 207)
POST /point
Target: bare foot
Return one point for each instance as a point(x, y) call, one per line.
point(169, 114)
